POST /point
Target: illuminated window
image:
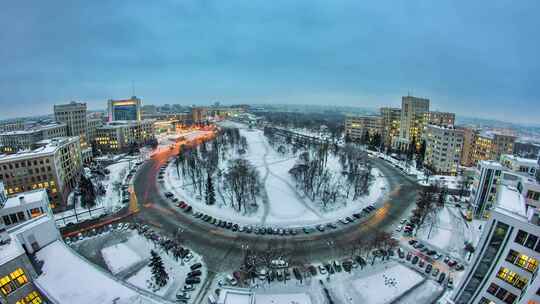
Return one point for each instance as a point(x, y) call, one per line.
point(11, 282)
point(31, 298)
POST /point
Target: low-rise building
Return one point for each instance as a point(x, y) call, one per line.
point(505, 264)
point(485, 145)
point(121, 136)
point(520, 164)
point(13, 141)
point(356, 126)
point(55, 165)
point(443, 149)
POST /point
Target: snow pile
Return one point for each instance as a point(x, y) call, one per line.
point(296, 298)
point(386, 287)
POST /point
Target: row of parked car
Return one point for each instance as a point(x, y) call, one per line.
point(429, 269)
point(193, 277)
point(125, 185)
point(435, 255)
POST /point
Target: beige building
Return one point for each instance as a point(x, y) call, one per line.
point(92, 125)
point(414, 115)
point(443, 149)
point(199, 114)
point(357, 126)
point(55, 165)
point(391, 120)
point(122, 136)
point(73, 115)
point(485, 145)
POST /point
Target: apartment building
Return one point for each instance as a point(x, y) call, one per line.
point(124, 109)
point(484, 186)
point(504, 269)
point(443, 149)
point(356, 126)
point(199, 114)
point(520, 164)
point(121, 136)
point(13, 141)
point(414, 115)
point(485, 145)
point(55, 165)
point(391, 120)
point(91, 130)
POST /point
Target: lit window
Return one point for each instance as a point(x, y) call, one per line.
point(12, 281)
point(31, 298)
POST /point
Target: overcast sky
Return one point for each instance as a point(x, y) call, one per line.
point(477, 58)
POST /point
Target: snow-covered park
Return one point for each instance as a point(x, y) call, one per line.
point(280, 202)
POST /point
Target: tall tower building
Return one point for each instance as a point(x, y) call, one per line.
point(73, 115)
point(414, 112)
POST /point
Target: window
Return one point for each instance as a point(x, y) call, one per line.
point(531, 241)
point(11, 282)
point(20, 216)
point(492, 289)
point(512, 256)
point(6, 219)
point(31, 298)
point(485, 301)
point(521, 237)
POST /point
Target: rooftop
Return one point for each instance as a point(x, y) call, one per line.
point(492, 133)
point(50, 146)
point(28, 197)
point(10, 251)
point(34, 129)
point(511, 202)
point(521, 160)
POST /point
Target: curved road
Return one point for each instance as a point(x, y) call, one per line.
point(223, 249)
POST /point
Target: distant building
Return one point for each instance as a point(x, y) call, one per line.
point(485, 145)
point(92, 125)
point(199, 114)
point(504, 268)
point(14, 141)
point(356, 126)
point(73, 115)
point(124, 109)
point(520, 164)
point(55, 165)
point(12, 125)
point(443, 149)
point(391, 121)
point(443, 119)
point(414, 115)
point(121, 136)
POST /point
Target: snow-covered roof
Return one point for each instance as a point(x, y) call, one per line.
point(24, 198)
point(10, 251)
point(68, 278)
point(521, 160)
point(50, 146)
point(511, 202)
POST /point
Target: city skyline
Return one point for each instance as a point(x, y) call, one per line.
point(348, 54)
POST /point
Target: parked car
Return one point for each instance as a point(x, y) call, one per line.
point(194, 273)
point(322, 269)
point(415, 260)
point(428, 268)
point(441, 278)
point(435, 272)
point(195, 266)
point(450, 283)
point(409, 256)
point(193, 280)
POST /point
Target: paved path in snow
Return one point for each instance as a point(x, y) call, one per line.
point(265, 200)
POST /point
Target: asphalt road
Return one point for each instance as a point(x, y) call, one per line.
point(223, 249)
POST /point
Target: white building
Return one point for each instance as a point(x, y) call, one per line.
point(23, 207)
point(443, 149)
point(520, 164)
point(505, 265)
point(120, 136)
point(13, 141)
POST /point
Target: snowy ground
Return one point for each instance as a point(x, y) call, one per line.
point(130, 260)
point(283, 204)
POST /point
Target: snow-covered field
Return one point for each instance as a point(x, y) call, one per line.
point(285, 205)
point(386, 286)
point(128, 257)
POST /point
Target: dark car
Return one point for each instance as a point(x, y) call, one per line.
point(428, 268)
point(195, 266)
point(193, 280)
point(441, 278)
point(357, 215)
point(194, 273)
point(415, 260)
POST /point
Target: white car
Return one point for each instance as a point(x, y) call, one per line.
point(399, 228)
point(188, 257)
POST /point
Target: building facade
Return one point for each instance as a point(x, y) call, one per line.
point(91, 130)
point(504, 269)
point(124, 109)
point(485, 145)
point(14, 141)
point(122, 136)
point(356, 126)
point(443, 149)
point(56, 165)
point(414, 115)
point(443, 119)
point(391, 120)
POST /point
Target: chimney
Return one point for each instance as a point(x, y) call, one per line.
point(22, 200)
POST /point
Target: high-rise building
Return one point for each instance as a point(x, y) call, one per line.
point(73, 115)
point(356, 126)
point(391, 120)
point(504, 268)
point(124, 109)
point(484, 188)
point(55, 165)
point(443, 149)
point(414, 115)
